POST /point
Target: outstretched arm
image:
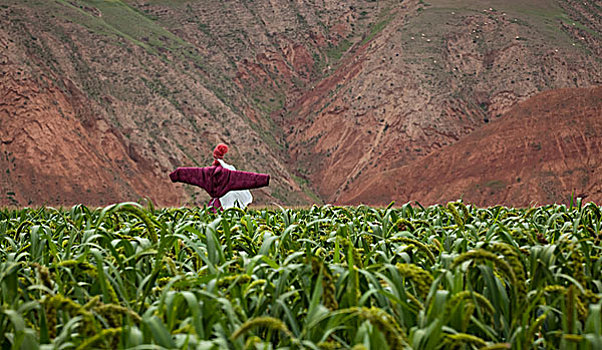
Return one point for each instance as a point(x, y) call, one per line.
point(195, 176)
point(243, 180)
point(217, 181)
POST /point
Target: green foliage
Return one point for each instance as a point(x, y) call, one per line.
point(376, 28)
point(335, 53)
point(441, 277)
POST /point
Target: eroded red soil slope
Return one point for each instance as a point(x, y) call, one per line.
point(99, 100)
point(541, 151)
point(55, 150)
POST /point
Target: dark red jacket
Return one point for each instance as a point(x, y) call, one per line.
point(218, 181)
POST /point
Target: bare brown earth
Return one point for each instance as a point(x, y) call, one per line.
point(433, 75)
point(99, 100)
point(544, 150)
point(58, 149)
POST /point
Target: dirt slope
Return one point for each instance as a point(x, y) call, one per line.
point(99, 100)
point(58, 149)
point(435, 73)
point(166, 101)
point(542, 151)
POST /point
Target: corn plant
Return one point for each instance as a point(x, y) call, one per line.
point(441, 277)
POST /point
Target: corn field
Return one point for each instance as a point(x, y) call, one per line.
point(442, 277)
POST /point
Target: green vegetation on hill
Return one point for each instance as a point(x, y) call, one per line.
point(440, 277)
point(539, 18)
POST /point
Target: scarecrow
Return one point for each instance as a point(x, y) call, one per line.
point(227, 186)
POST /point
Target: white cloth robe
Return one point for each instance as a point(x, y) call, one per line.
point(231, 199)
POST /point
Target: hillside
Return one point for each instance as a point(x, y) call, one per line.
point(99, 100)
point(544, 150)
point(167, 80)
point(434, 74)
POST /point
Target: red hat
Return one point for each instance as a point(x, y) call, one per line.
point(219, 151)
